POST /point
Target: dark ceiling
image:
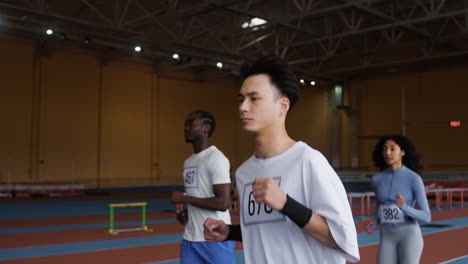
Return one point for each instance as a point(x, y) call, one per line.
point(325, 40)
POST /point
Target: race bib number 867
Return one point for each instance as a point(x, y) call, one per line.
point(254, 212)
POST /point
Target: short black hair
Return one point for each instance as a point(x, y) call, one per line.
point(280, 75)
point(411, 159)
point(207, 118)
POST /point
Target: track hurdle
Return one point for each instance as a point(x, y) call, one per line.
point(114, 231)
point(359, 195)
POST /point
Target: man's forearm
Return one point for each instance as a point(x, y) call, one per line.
point(211, 203)
point(314, 224)
point(319, 229)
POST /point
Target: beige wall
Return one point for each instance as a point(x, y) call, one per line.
point(73, 116)
point(68, 118)
point(308, 121)
point(16, 97)
point(431, 100)
point(126, 124)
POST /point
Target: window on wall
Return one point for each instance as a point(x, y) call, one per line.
point(338, 95)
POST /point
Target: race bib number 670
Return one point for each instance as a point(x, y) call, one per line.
point(254, 212)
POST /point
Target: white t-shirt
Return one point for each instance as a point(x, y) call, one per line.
point(201, 171)
point(305, 175)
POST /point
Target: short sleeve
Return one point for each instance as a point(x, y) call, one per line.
point(329, 199)
point(218, 167)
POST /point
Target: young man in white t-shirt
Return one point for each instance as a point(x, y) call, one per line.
point(294, 208)
point(207, 193)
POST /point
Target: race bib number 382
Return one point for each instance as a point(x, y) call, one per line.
point(254, 212)
point(391, 214)
point(191, 177)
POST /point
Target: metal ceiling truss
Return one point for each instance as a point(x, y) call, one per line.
point(324, 40)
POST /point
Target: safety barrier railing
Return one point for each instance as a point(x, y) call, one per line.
point(440, 194)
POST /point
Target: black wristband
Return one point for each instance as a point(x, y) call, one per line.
point(297, 212)
point(234, 233)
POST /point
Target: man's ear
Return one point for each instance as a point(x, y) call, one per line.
point(206, 128)
point(285, 103)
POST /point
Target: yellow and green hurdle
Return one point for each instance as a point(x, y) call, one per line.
point(114, 231)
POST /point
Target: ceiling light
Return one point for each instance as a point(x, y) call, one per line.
point(219, 65)
point(254, 22)
point(175, 56)
point(302, 81)
point(49, 31)
point(312, 83)
point(138, 48)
